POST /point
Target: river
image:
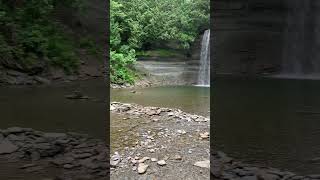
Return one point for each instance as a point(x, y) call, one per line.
point(270, 122)
point(45, 108)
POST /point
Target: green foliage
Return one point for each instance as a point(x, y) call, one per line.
point(137, 24)
point(29, 35)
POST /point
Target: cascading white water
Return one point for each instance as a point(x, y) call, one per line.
point(204, 70)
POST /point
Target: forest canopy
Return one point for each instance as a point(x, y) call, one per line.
point(137, 24)
point(31, 36)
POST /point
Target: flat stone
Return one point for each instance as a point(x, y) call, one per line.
point(248, 178)
point(34, 169)
point(315, 176)
point(142, 168)
point(42, 80)
point(177, 157)
point(6, 147)
point(54, 135)
point(161, 162)
point(142, 160)
point(203, 164)
point(154, 159)
point(68, 166)
point(43, 146)
point(204, 135)
point(35, 156)
point(13, 137)
point(14, 130)
point(82, 155)
point(27, 166)
point(115, 159)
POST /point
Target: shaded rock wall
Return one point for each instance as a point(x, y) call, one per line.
point(248, 36)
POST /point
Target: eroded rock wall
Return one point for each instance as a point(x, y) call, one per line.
point(248, 36)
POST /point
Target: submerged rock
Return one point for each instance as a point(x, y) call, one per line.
point(6, 147)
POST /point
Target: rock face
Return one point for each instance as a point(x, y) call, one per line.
point(76, 154)
point(265, 36)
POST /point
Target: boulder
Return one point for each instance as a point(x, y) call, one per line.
point(7, 147)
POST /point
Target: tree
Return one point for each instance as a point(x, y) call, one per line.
point(136, 24)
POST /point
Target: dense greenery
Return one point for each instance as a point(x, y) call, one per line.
point(138, 24)
point(29, 36)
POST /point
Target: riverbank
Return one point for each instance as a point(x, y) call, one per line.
point(164, 143)
point(87, 70)
point(76, 156)
point(161, 143)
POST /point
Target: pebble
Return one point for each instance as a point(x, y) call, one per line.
point(143, 159)
point(177, 157)
point(142, 168)
point(204, 135)
point(203, 164)
point(161, 162)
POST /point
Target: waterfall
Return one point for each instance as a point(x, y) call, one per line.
point(204, 70)
point(301, 40)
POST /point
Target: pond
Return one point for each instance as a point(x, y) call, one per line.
point(190, 99)
point(270, 122)
point(45, 108)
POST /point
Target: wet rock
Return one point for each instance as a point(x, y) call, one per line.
point(41, 80)
point(248, 178)
point(6, 147)
point(315, 176)
point(13, 137)
point(82, 155)
point(224, 158)
point(76, 95)
point(203, 164)
point(54, 135)
point(1, 137)
point(68, 166)
point(161, 162)
point(27, 166)
point(142, 168)
point(34, 169)
point(35, 156)
point(14, 130)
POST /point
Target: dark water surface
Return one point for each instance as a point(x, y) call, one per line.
point(270, 122)
point(45, 108)
point(191, 99)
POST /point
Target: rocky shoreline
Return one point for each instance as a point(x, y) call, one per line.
point(155, 151)
point(225, 168)
point(47, 76)
point(166, 142)
point(77, 155)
